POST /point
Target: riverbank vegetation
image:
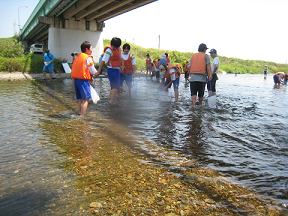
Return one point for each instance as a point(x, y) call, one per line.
point(228, 64)
point(13, 58)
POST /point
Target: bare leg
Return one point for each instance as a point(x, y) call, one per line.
point(200, 100)
point(83, 104)
point(44, 73)
point(113, 93)
point(51, 75)
point(194, 100)
point(176, 94)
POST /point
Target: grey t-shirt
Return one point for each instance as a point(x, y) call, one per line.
point(200, 77)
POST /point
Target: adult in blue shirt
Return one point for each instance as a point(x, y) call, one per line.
point(48, 64)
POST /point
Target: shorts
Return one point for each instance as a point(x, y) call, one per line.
point(186, 75)
point(175, 83)
point(276, 80)
point(213, 83)
point(265, 72)
point(157, 73)
point(148, 68)
point(127, 78)
point(82, 89)
point(114, 77)
point(197, 87)
point(48, 69)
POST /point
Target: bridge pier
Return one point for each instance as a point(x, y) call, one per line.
point(62, 42)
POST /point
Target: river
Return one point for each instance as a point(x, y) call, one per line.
point(54, 164)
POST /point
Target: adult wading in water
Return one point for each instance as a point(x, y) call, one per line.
point(199, 66)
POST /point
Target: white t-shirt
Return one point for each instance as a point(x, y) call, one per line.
point(89, 64)
point(107, 55)
point(172, 74)
point(216, 60)
point(125, 57)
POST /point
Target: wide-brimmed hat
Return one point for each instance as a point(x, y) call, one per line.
point(162, 69)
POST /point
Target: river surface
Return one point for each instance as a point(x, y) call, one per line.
point(44, 148)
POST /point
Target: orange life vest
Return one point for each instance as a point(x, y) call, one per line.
point(198, 63)
point(153, 67)
point(280, 72)
point(168, 60)
point(167, 74)
point(79, 70)
point(115, 59)
point(148, 62)
point(157, 64)
point(128, 66)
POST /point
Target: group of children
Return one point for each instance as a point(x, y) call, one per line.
point(120, 68)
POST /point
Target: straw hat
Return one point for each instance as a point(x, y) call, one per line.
point(162, 69)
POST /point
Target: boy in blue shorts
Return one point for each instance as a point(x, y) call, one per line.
point(112, 55)
point(82, 68)
point(48, 64)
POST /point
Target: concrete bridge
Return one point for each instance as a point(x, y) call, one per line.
point(62, 25)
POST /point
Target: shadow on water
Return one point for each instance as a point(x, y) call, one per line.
point(139, 156)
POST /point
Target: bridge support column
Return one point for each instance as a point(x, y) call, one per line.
point(62, 42)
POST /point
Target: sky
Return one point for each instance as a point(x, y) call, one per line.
point(246, 29)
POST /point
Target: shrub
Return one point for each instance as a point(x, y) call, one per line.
point(11, 48)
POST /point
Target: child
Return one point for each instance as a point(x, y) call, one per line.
point(157, 70)
point(129, 71)
point(167, 58)
point(171, 73)
point(153, 69)
point(112, 55)
point(82, 67)
point(148, 64)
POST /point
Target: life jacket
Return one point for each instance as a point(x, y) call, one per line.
point(79, 70)
point(167, 74)
point(198, 63)
point(157, 64)
point(128, 66)
point(115, 60)
point(185, 67)
point(153, 68)
point(168, 60)
point(148, 61)
point(280, 72)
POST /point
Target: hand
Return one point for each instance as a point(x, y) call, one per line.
point(210, 77)
point(97, 74)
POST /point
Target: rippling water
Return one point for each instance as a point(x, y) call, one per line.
point(245, 137)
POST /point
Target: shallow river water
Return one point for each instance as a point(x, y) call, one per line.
point(55, 164)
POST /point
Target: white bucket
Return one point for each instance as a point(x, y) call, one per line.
point(164, 96)
point(212, 101)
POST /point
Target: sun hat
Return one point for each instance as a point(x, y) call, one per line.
point(163, 55)
point(162, 69)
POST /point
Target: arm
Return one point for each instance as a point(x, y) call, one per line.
point(209, 72)
point(215, 68)
point(122, 64)
point(100, 68)
point(166, 87)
